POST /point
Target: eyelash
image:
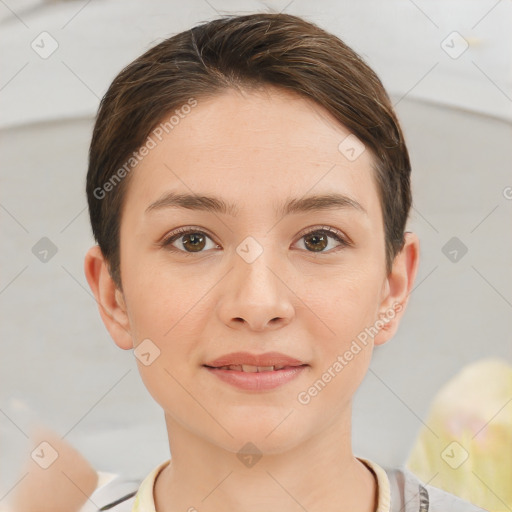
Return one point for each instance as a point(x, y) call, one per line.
point(175, 235)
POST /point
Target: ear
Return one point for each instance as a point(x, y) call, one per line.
point(397, 287)
point(110, 299)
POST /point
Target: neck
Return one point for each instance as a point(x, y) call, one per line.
point(319, 474)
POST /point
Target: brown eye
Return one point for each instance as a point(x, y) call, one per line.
point(194, 241)
point(187, 241)
point(316, 241)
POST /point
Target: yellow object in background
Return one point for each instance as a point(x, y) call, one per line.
point(471, 456)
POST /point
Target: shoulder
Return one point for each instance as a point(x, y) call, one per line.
point(115, 493)
point(413, 495)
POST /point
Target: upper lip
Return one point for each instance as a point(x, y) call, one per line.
point(267, 359)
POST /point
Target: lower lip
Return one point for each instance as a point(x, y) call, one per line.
point(258, 381)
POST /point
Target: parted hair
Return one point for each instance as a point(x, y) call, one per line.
point(242, 52)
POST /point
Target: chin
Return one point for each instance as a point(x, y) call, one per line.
point(262, 436)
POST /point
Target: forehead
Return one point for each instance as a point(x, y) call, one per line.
point(252, 149)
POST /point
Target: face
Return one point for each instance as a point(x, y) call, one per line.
point(200, 284)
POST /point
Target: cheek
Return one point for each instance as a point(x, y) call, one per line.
point(164, 330)
point(349, 305)
point(344, 353)
point(164, 308)
point(158, 299)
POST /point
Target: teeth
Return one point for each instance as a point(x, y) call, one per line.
point(249, 368)
point(266, 368)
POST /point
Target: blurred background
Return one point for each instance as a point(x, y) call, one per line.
point(447, 66)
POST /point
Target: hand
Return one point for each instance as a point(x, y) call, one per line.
point(65, 484)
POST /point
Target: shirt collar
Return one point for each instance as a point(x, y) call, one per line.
point(383, 491)
point(145, 502)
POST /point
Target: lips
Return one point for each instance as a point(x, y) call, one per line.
point(256, 373)
point(252, 363)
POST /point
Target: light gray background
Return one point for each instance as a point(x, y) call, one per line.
point(59, 365)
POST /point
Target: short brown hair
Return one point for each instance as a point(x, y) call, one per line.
point(254, 50)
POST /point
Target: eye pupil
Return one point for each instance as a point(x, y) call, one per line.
point(190, 241)
point(316, 238)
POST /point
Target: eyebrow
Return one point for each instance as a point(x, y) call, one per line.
point(333, 201)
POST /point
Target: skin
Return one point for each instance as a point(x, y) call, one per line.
point(254, 149)
point(63, 486)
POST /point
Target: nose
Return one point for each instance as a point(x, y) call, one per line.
point(256, 295)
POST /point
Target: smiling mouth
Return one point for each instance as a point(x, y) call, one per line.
point(248, 368)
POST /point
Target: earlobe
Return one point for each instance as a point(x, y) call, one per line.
point(110, 300)
point(397, 288)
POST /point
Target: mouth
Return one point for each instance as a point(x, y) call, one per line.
point(248, 368)
point(253, 372)
point(273, 371)
point(247, 362)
